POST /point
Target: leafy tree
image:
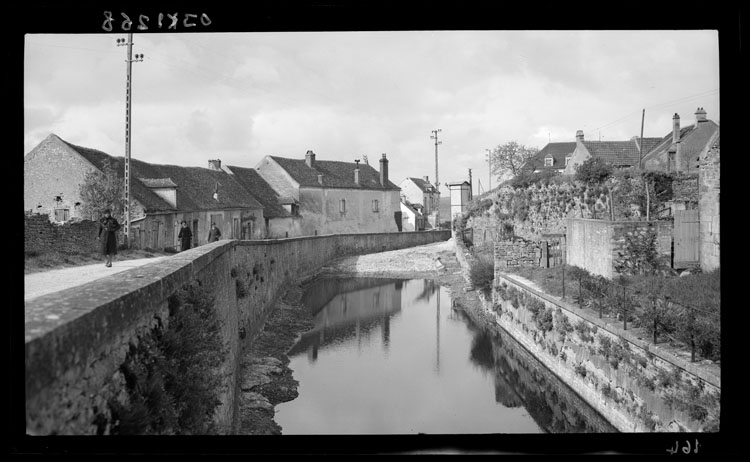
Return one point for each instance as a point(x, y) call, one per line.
point(593, 171)
point(509, 159)
point(103, 190)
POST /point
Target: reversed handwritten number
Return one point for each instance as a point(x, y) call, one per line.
point(142, 25)
point(207, 21)
point(107, 24)
point(126, 23)
point(185, 21)
point(174, 20)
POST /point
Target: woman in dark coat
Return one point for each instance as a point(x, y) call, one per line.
point(185, 236)
point(108, 226)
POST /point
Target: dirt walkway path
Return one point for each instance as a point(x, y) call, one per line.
point(47, 282)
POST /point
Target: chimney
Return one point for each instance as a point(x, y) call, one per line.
point(427, 179)
point(356, 172)
point(214, 164)
point(579, 135)
point(320, 177)
point(383, 171)
point(700, 116)
point(310, 159)
point(675, 128)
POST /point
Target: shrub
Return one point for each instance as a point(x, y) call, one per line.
point(593, 171)
point(544, 320)
point(580, 370)
point(482, 275)
point(171, 374)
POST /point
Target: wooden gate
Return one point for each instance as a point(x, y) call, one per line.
point(686, 238)
point(553, 250)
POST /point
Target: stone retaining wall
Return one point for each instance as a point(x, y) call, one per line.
point(41, 235)
point(76, 339)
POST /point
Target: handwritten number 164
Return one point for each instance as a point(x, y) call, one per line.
point(685, 449)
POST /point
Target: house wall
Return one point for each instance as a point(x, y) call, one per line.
point(77, 339)
point(415, 195)
point(284, 227)
point(408, 219)
point(52, 169)
point(319, 209)
point(709, 192)
point(459, 200)
point(598, 245)
point(580, 155)
point(278, 178)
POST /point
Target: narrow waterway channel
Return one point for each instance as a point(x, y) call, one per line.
point(395, 357)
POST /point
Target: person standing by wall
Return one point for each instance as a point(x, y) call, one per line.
point(108, 226)
point(185, 236)
point(214, 234)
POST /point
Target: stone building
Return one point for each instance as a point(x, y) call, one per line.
point(708, 208)
point(681, 149)
point(620, 154)
point(554, 156)
point(423, 196)
point(162, 195)
point(333, 197)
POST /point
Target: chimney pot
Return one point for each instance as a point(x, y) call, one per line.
point(383, 171)
point(427, 178)
point(700, 115)
point(675, 128)
point(310, 159)
point(579, 135)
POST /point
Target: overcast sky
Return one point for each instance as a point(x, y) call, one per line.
point(239, 97)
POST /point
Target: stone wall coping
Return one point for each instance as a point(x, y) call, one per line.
point(617, 222)
point(709, 377)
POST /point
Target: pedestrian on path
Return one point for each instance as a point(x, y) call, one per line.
point(185, 236)
point(214, 234)
point(108, 226)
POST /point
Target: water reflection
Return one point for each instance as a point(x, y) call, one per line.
point(392, 356)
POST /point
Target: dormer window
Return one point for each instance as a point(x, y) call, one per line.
point(548, 161)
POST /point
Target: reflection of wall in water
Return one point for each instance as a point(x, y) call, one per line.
point(521, 380)
point(353, 315)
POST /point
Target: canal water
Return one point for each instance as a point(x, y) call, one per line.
point(394, 357)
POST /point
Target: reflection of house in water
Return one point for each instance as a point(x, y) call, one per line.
point(358, 306)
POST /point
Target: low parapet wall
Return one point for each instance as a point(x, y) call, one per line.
point(77, 339)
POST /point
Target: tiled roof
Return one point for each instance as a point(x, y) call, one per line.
point(158, 182)
point(693, 140)
point(614, 152)
point(409, 206)
point(422, 184)
point(150, 200)
point(195, 185)
point(335, 174)
point(558, 151)
point(251, 180)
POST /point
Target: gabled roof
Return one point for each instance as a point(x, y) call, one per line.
point(251, 180)
point(425, 186)
point(557, 151)
point(693, 140)
point(624, 153)
point(335, 174)
point(195, 185)
point(409, 206)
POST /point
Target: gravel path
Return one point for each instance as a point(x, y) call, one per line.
point(47, 282)
point(424, 258)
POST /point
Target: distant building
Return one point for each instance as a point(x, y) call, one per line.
point(163, 195)
point(420, 192)
point(617, 153)
point(681, 149)
point(460, 193)
point(412, 218)
point(554, 156)
point(335, 197)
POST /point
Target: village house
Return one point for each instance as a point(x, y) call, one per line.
point(281, 215)
point(681, 149)
point(335, 197)
point(620, 154)
point(423, 196)
point(554, 156)
point(162, 195)
point(412, 216)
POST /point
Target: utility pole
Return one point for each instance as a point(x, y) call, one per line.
point(128, 124)
point(434, 136)
point(471, 187)
point(640, 145)
point(489, 160)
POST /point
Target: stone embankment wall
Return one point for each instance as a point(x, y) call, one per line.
point(77, 339)
point(600, 246)
point(41, 235)
point(637, 387)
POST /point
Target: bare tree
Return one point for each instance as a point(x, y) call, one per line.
point(509, 158)
point(102, 190)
